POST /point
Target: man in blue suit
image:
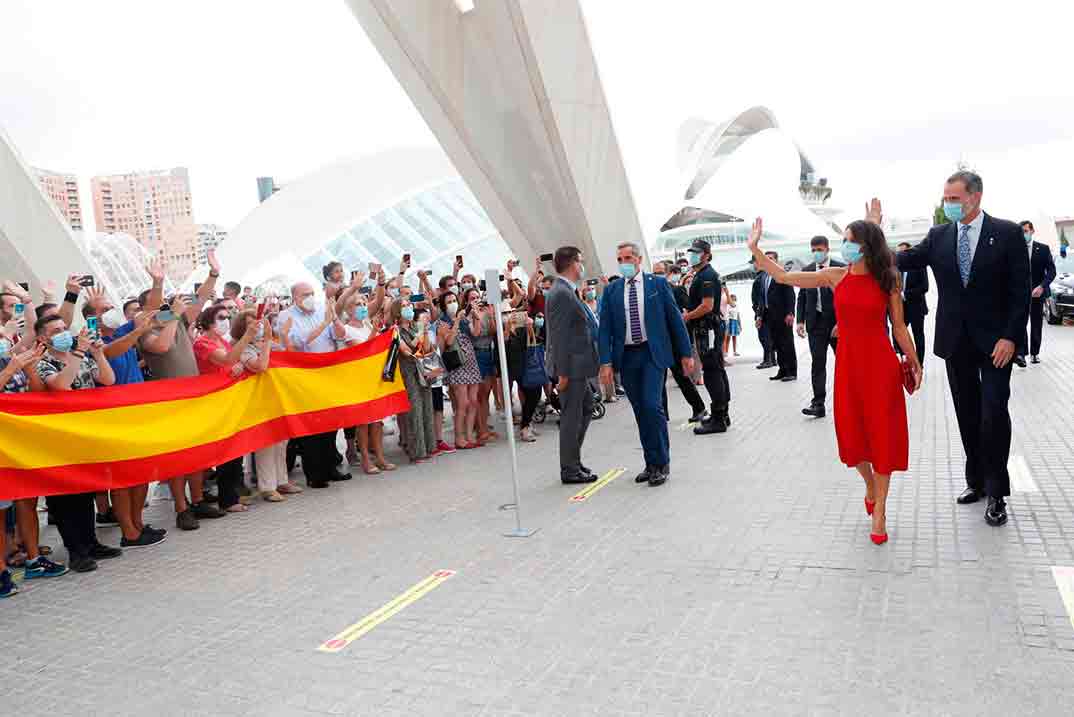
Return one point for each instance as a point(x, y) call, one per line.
point(641, 334)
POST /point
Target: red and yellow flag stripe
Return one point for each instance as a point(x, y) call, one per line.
point(80, 441)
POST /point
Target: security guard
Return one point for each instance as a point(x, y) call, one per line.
point(706, 331)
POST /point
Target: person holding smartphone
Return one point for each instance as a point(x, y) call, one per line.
point(455, 339)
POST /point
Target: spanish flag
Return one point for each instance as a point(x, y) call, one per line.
point(119, 436)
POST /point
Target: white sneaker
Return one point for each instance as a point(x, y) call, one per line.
point(526, 434)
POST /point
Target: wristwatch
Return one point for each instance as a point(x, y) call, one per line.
point(214, 274)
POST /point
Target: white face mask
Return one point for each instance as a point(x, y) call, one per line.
point(466, 286)
point(308, 303)
point(451, 309)
point(113, 318)
point(223, 326)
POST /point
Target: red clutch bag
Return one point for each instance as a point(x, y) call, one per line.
point(908, 381)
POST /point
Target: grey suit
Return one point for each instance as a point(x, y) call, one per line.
point(571, 352)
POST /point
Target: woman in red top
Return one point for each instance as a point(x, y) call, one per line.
point(215, 354)
point(870, 409)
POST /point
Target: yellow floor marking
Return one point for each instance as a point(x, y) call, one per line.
point(1064, 580)
point(592, 488)
point(367, 623)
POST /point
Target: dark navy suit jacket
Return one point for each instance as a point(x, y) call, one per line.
point(665, 331)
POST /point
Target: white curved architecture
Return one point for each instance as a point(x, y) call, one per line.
point(512, 92)
point(357, 211)
point(118, 262)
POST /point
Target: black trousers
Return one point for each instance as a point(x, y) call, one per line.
point(74, 518)
point(530, 398)
point(689, 390)
point(980, 392)
point(1036, 326)
point(783, 344)
point(319, 456)
point(765, 339)
point(820, 338)
point(712, 369)
point(228, 480)
point(916, 322)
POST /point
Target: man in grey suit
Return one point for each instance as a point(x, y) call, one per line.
point(572, 358)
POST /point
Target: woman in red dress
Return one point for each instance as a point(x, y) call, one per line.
point(870, 409)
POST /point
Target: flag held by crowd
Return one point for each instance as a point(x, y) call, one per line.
point(115, 437)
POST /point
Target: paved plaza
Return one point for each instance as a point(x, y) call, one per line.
point(746, 585)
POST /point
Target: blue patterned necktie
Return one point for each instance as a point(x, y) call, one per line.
point(964, 256)
point(635, 314)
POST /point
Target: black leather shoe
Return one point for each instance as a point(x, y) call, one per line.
point(660, 476)
point(996, 512)
point(335, 476)
point(586, 470)
point(766, 364)
point(104, 552)
point(1034, 359)
point(815, 411)
point(970, 495)
point(791, 377)
point(699, 415)
point(317, 483)
point(715, 424)
point(1020, 361)
point(578, 478)
point(643, 477)
point(777, 377)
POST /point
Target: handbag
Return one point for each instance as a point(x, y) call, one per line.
point(908, 380)
point(430, 369)
point(533, 373)
point(452, 358)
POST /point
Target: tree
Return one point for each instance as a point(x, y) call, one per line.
point(938, 217)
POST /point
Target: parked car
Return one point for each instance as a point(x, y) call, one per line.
point(1061, 303)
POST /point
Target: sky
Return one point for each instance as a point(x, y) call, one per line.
point(884, 101)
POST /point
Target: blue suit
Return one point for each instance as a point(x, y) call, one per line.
point(642, 368)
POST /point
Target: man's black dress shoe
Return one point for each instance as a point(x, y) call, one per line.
point(578, 478)
point(814, 411)
point(586, 470)
point(317, 483)
point(1020, 361)
point(714, 424)
point(996, 511)
point(765, 364)
point(104, 552)
point(1034, 359)
point(970, 495)
point(777, 377)
point(338, 476)
point(643, 477)
point(698, 416)
point(791, 377)
point(660, 476)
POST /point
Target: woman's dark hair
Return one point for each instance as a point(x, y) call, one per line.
point(465, 301)
point(208, 316)
point(878, 256)
point(441, 300)
point(238, 323)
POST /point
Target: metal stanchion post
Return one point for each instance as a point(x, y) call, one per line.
point(494, 298)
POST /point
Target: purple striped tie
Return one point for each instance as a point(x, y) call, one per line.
point(635, 315)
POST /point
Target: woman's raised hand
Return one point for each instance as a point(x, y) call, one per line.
point(874, 212)
point(755, 233)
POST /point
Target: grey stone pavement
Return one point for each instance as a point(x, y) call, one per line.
point(746, 585)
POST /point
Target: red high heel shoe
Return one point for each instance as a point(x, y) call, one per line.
point(878, 539)
point(869, 506)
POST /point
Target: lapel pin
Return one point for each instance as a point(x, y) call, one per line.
point(991, 241)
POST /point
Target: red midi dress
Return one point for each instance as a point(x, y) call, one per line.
point(870, 408)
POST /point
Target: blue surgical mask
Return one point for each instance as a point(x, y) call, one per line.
point(590, 293)
point(820, 256)
point(953, 211)
point(1028, 237)
point(407, 313)
point(694, 258)
point(629, 271)
point(851, 252)
point(538, 322)
point(393, 292)
point(361, 313)
point(5, 348)
point(63, 341)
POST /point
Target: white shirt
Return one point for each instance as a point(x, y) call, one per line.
point(974, 233)
point(820, 297)
point(639, 281)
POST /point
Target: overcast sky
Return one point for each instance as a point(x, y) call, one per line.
point(883, 101)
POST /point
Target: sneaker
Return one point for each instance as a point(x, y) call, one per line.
point(145, 540)
point(107, 520)
point(150, 529)
point(203, 510)
point(444, 447)
point(527, 435)
point(186, 520)
point(83, 564)
point(104, 552)
point(7, 585)
point(42, 567)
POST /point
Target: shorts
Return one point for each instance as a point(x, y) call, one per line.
point(486, 363)
point(438, 399)
point(734, 328)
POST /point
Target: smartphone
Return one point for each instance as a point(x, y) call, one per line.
point(260, 310)
point(501, 277)
point(366, 290)
point(197, 285)
point(417, 298)
point(25, 285)
point(547, 257)
point(481, 285)
point(20, 309)
point(592, 282)
point(458, 259)
point(165, 314)
point(86, 280)
point(91, 326)
point(406, 259)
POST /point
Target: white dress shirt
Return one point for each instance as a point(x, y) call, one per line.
point(974, 233)
point(820, 297)
point(639, 279)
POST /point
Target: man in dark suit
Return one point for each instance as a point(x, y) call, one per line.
point(641, 333)
point(1042, 272)
point(571, 353)
point(777, 308)
point(758, 300)
point(915, 284)
point(981, 268)
point(816, 318)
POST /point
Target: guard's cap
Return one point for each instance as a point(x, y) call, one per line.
point(700, 246)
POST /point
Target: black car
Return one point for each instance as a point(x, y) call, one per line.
point(1061, 303)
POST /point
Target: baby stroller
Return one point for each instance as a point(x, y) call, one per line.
point(551, 405)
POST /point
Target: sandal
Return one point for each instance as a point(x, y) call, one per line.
point(289, 488)
point(237, 508)
point(387, 466)
point(273, 496)
point(371, 470)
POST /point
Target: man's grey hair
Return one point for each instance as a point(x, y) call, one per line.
point(971, 180)
point(633, 247)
